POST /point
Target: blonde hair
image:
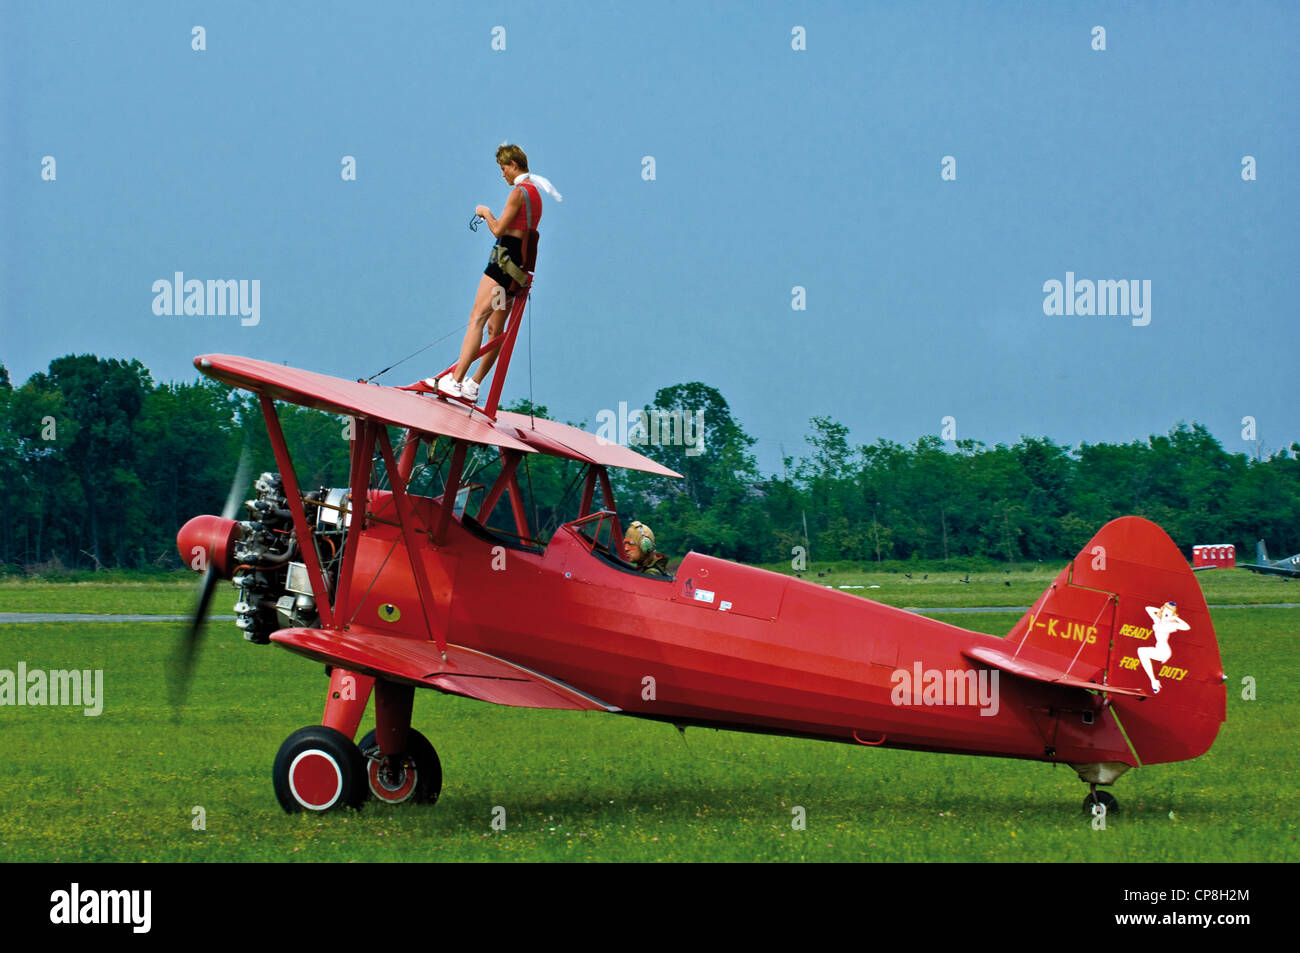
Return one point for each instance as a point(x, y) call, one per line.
point(507, 153)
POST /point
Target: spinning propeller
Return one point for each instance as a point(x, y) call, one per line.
point(214, 538)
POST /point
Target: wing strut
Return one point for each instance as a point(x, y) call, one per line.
point(506, 342)
point(615, 531)
point(406, 517)
point(363, 448)
point(449, 491)
point(507, 347)
point(507, 480)
point(306, 541)
point(588, 491)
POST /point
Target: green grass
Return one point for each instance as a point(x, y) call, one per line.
point(1232, 586)
point(588, 786)
point(151, 594)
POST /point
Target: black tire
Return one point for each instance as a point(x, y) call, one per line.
point(420, 758)
point(319, 769)
point(1104, 798)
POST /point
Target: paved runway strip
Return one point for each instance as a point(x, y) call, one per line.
point(10, 618)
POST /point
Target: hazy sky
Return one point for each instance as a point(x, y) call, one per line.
point(774, 168)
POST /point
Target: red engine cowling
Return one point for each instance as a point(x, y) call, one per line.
point(209, 541)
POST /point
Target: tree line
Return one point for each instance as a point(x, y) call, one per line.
point(101, 465)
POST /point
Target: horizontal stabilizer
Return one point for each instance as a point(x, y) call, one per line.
point(1274, 571)
point(1024, 668)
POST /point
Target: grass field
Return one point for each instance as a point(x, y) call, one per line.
point(145, 595)
point(586, 786)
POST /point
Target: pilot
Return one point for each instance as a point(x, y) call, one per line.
point(639, 550)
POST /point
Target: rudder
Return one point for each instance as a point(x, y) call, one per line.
point(1128, 613)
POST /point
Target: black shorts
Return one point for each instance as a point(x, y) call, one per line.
point(514, 247)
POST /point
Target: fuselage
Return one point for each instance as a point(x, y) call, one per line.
point(724, 645)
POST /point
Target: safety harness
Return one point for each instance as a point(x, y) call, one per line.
point(501, 255)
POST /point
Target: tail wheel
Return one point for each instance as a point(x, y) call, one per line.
point(1105, 799)
point(416, 777)
point(319, 769)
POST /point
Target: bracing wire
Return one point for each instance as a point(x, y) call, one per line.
point(413, 354)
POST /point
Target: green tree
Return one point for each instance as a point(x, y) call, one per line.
point(188, 448)
point(716, 506)
point(104, 398)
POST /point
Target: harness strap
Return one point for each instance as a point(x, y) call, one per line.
point(501, 258)
point(529, 243)
point(528, 217)
point(516, 271)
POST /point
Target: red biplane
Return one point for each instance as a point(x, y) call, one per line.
point(1116, 664)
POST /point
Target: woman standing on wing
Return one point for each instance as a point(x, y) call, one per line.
point(503, 273)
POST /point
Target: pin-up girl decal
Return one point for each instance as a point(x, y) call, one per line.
point(1164, 623)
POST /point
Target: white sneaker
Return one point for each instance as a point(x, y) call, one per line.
point(449, 385)
point(469, 389)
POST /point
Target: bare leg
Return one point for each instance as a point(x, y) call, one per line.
point(495, 323)
point(478, 317)
point(1144, 656)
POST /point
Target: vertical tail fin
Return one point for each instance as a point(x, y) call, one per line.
point(1128, 613)
point(1261, 554)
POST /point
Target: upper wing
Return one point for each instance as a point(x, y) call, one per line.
point(422, 413)
point(562, 440)
point(337, 396)
point(465, 672)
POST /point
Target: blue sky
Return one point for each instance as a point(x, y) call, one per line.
point(774, 168)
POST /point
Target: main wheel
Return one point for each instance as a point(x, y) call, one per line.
point(1104, 798)
point(418, 779)
point(319, 769)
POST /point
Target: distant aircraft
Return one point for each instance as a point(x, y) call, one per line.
point(1289, 567)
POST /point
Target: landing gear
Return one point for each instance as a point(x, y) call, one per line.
point(414, 776)
point(1104, 798)
point(319, 769)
